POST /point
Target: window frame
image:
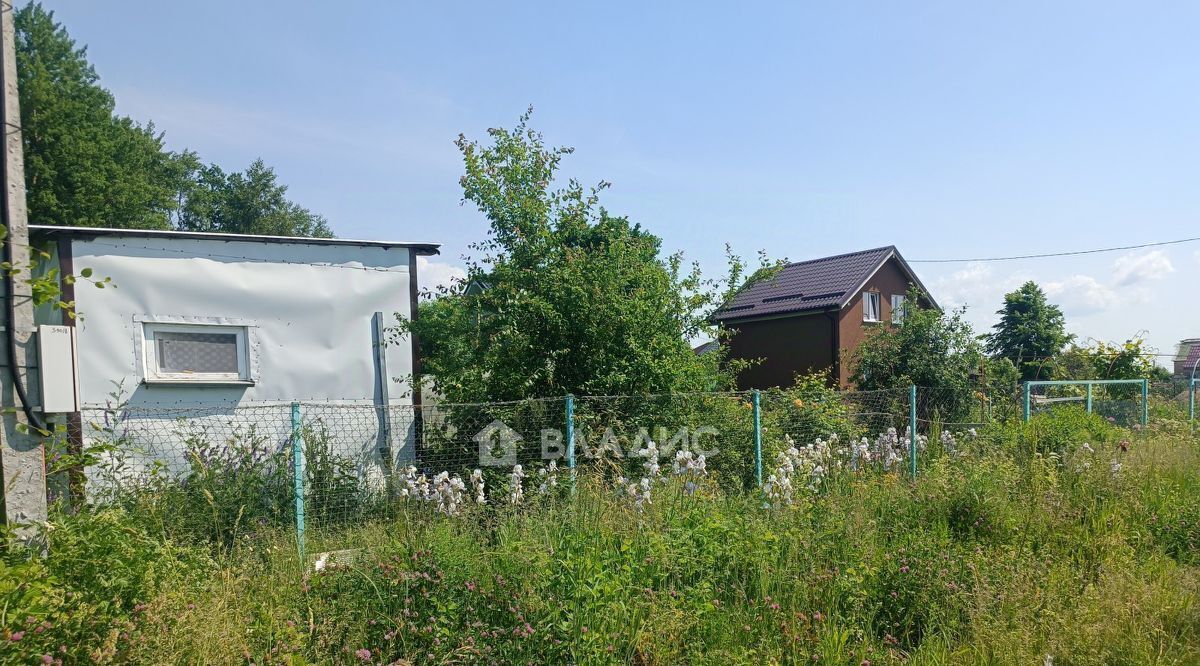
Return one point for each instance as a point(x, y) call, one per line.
point(150, 365)
point(878, 298)
point(898, 311)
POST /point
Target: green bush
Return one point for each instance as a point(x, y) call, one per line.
point(84, 602)
point(1015, 545)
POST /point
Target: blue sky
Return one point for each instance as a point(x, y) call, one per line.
point(948, 129)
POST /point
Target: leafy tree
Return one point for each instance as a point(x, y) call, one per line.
point(84, 165)
point(87, 166)
point(1031, 331)
point(931, 349)
point(1101, 360)
point(249, 202)
point(566, 298)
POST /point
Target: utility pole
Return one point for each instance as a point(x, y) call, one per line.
point(22, 457)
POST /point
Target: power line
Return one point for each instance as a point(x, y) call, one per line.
point(1055, 254)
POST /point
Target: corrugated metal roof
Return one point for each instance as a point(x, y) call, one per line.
point(92, 232)
point(817, 284)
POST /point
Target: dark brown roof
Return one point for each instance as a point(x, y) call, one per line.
point(817, 284)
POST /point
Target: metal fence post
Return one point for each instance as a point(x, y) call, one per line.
point(571, 438)
point(757, 402)
point(1025, 402)
point(1145, 402)
point(1192, 400)
point(912, 429)
point(1089, 398)
point(298, 476)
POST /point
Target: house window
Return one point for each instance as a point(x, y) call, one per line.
point(897, 308)
point(200, 353)
point(870, 306)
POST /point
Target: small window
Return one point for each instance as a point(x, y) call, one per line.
point(897, 308)
point(870, 306)
point(199, 353)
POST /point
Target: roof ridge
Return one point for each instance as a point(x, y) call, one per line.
point(841, 256)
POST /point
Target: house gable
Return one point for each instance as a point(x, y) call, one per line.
point(809, 316)
point(891, 278)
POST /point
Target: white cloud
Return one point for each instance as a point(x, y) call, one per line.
point(976, 286)
point(1082, 294)
point(1130, 269)
point(434, 274)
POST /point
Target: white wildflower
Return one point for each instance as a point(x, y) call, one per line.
point(689, 465)
point(515, 492)
point(549, 477)
point(448, 492)
point(949, 442)
point(650, 453)
point(477, 486)
point(640, 493)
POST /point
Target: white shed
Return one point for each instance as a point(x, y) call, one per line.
point(198, 324)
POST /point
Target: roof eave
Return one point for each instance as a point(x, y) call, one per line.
point(775, 315)
point(419, 248)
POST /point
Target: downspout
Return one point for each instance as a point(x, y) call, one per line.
point(10, 311)
point(835, 344)
point(75, 477)
point(414, 294)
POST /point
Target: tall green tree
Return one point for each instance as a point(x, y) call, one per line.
point(1030, 333)
point(565, 297)
point(84, 164)
point(247, 202)
point(87, 166)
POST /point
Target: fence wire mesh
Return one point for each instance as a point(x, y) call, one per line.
point(224, 472)
point(212, 471)
point(1172, 399)
point(1120, 403)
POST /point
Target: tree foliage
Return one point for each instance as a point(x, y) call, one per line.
point(564, 297)
point(1131, 359)
point(931, 348)
point(85, 165)
point(249, 202)
point(1030, 333)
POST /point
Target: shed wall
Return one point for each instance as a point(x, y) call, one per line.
point(309, 309)
point(309, 312)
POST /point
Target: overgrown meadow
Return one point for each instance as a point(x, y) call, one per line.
point(1066, 540)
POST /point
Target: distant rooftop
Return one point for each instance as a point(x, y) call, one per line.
point(424, 249)
point(816, 284)
point(1193, 357)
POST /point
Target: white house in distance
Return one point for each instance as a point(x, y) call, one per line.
point(210, 323)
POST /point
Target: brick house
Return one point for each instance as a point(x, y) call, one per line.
point(812, 314)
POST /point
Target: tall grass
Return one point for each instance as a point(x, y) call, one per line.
point(1021, 546)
